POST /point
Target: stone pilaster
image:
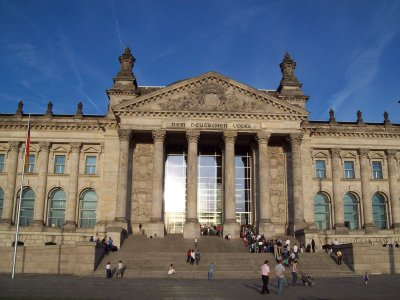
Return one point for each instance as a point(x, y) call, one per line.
point(265, 224)
point(9, 191)
point(393, 189)
point(230, 225)
point(120, 220)
point(43, 159)
point(191, 227)
point(156, 225)
point(70, 214)
point(295, 143)
point(365, 191)
point(337, 194)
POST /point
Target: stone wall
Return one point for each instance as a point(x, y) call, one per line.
point(81, 259)
point(362, 257)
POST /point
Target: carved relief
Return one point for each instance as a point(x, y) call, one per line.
point(142, 182)
point(277, 183)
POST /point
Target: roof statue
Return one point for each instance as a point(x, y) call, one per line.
point(332, 119)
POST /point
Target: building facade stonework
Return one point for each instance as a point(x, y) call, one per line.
point(202, 152)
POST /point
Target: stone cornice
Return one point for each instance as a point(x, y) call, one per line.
point(391, 135)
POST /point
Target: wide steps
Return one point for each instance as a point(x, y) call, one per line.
point(151, 258)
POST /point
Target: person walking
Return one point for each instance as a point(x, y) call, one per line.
point(366, 278)
point(195, 242)
point(197, 256)
point(120, 269)
point(192, 257)
point(339, 257)
point(294, 272)
point(211, 270)
point(279, 273)
point(265, 277)
point(108, 270)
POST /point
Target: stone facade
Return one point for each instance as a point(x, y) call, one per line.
point(119, 161)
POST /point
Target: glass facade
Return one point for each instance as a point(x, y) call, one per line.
point(209, 189)
point(27, 206)
point(243, 188)
point(88, 209)
point(57, 208)
point(350, 208)
point(175, 191)
point(379, 211)
point(321, 211)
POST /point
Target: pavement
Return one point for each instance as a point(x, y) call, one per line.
point(25, 286)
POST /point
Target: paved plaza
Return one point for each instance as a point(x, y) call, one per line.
point(72, 287)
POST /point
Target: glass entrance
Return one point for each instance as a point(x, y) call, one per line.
point(175, 192)
point(243, 187)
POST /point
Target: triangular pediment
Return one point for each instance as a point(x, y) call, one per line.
point(210, 93)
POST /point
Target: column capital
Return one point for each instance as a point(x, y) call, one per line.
point(263, 137)
point(335, 152)
point(44, 146)
point(230, 136)
point(158, 135)
point(391, 153)
point(14, 146)
point(75, 147)
point(295, 139)
point(192, 135)
point(124, 134)
point(363, 153)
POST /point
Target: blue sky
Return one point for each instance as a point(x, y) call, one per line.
point(347, 51)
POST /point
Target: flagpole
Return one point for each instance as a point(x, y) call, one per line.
point(20, 198)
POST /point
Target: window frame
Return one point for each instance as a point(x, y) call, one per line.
point(50, 209)
point(346, 170)
point(31, 163)
point(380, 171)
point(318, 170)
point(81, 209)
point(59, 165)
point(2, 162)
point(91, 166)
point(327, 214)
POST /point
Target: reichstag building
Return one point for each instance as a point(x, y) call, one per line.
point(201, 151)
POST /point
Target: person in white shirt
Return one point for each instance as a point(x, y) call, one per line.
point(265, 277)
point(120, 269)
point(296, 250)
point(171, 270)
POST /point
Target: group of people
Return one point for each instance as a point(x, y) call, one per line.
point(119, 271)
point(107, 242)
point(193, 256)
point(210, 230)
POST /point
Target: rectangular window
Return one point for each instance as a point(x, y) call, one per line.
point(31, 163)
point(2, 163)
point(320, 169)
point(90, 166)
point(377, 170)
point(59, 164)
point(349, 169)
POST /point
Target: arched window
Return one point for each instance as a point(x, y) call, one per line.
point(27, 206)
point(379, 211)
point(321, 211)
point(1, 202)
point(350, 208)
point(57, 208)
point(88, 206)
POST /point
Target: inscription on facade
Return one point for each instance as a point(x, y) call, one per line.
point(210, 125)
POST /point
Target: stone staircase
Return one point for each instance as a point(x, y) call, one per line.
point(151, 258)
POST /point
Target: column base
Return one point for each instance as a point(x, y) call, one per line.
point(396, 228)
point(370, 229)
point(120, 222)
point(266, 228)
point(155, 230)
point(69, 226)
point(231, 227)
point(300, 225)
point(191, 229)
point(341, 229)
point(5, 224)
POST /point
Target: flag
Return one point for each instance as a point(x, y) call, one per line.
point(27, 144)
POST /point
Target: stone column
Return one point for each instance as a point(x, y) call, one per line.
point(337, 195)
point(295, 142)
point(265, 224)
point(156, 225)
point(230, 225)
point(394, 192)
point(70, 214)
point(125, 136)
point(365, 191)
point(191, 228)
point(43, 160)
point(9, 191)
